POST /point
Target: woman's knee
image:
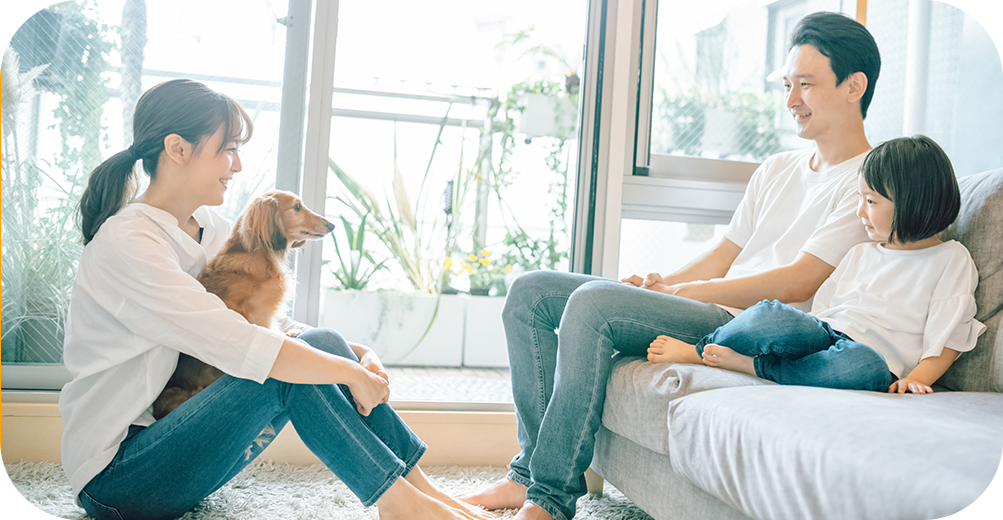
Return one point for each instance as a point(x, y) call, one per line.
point(328, 340)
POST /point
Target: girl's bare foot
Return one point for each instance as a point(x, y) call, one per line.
point(723, 357)
point(403, 501)
point(531, 511)
point(419, 480)
point(670, 350)
point(504, 494)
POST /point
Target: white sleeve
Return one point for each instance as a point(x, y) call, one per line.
point(951, 321)
point(144, 288)
point(841, 231)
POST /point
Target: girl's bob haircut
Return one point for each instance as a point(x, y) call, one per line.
point(916, 175)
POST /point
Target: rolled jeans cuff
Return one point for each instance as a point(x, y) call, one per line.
point(519, 479)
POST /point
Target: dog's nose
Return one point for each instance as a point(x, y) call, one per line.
point(330, 227)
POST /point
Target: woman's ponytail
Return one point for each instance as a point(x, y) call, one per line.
point(184, 107)
point(111, 185)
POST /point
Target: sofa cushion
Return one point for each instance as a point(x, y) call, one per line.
point(980, 228)
point(784, 452)
point(638, 396)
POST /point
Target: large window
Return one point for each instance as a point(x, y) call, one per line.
point(71, 78)
point(454, 138)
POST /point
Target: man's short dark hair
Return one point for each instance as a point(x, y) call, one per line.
point(848, 45)
point(915, 174)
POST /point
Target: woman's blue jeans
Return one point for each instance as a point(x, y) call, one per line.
point(792, 347)
point(562, 330)
point(165, 469)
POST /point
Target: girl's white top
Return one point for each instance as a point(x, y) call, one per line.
point(907, 305)
point(136, 305)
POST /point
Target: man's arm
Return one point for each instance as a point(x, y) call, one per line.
point(796, 282)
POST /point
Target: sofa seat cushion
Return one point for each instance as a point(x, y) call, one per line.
point(788, 452)
point(638, 396)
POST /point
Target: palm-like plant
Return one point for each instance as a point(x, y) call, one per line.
point(353, 274)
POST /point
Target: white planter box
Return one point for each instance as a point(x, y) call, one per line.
point(391, 323)
point(467, 330)
point(484, 339)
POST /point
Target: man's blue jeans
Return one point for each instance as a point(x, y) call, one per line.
point(792, 347)
point(559, 379)
point(164, 470)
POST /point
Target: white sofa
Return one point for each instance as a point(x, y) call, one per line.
point(694, 442)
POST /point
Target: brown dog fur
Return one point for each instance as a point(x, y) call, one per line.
point(250, 276)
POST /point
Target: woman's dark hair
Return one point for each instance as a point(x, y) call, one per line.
point(915, 174)
point(848, 45)
point(183, 107)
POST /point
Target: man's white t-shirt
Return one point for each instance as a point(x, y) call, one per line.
point(136, 304)
point(906, 305)
point(788, 208)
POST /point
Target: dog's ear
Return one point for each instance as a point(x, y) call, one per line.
point(260, 225)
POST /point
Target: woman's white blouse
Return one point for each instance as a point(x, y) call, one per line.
point(136, 305)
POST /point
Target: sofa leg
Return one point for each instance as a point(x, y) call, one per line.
point(594, 482)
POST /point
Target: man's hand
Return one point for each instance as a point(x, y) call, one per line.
point(646, 282)
point(909, 385)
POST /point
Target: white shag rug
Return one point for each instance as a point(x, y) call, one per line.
point(269, 491)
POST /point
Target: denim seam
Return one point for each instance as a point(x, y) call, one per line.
point(519, 479)
point(391, 480)
point(413, 461)
point(588, 418)
point(345, 426)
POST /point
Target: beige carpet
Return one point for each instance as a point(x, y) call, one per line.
point(271, 491)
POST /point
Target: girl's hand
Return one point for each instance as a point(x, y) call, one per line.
point(909, 385)
point(371, 362)
point(368, 390)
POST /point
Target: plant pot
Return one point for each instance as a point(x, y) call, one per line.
point(392, 323)
point(484, 338)
point(480, 291)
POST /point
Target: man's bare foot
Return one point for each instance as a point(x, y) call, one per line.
point(504, 494)
point(531, 511)
point(666, 349)
point(419, 480)
point(723, 357)
point(403, 501)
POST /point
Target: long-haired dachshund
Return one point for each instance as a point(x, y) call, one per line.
point(249, 275)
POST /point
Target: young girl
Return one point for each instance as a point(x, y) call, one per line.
point(894, 314)
point(136, 305)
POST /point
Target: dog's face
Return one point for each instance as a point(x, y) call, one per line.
point(279, 220)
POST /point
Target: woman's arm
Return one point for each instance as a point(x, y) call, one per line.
point(300, 363)
point(925, 374)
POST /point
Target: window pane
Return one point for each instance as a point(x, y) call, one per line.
point(82, 67)
point(655, 246)
point(711, 96)
point(464, 139)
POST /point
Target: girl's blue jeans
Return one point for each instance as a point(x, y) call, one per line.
point(163, 470)
point(791, 347)
point(559, 379)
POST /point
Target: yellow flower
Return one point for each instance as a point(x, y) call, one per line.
point(485, 253)
point(485, 262)
point(466, 267)
point(472, 257)
point(449, 263)
point(508, 268)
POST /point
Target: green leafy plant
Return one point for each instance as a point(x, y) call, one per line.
point(356, 264)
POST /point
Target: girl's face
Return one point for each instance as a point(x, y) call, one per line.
point(212, 169)
point(875, 211)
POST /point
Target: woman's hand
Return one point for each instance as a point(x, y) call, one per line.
point(909, 385)
point(369, 360)
point(369, 390)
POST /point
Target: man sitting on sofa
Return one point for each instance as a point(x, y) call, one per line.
point(793, 226)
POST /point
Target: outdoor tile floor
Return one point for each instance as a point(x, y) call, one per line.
point(450, 384)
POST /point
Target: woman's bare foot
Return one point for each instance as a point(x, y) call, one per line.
point(670, 350)
point(504, 494)
point(403, 501)
point(531, 511)
point(723, 357)
point(419, 480)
